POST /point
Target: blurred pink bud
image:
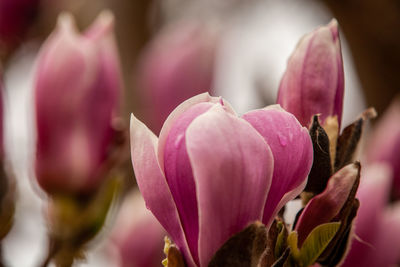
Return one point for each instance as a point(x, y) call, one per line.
point(376, 241)
point(178, 64)
point(76, 91)
point(314, 80)
point(138, 236)
point(212, 171)
point(15, 18)
point(384, 145)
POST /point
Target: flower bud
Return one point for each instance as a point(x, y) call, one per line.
point(377, 225)
point(137, 236)
point(384, 145)
point(76, 91)
point(178, 64)
point(314, 80)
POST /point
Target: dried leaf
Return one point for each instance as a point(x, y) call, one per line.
point(348, 140)
point(331, 126)
point(244, 249)
point(282, 259)
point(321, 169)
point(174, 257)
point(268, 256)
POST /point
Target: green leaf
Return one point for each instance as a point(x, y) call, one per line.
point(281, 240)
point(316, 242)
point(292, 244)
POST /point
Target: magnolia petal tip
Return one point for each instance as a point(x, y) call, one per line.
point(65, 21)
point(106, 19)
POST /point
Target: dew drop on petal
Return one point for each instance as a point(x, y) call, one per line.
point(282, 140)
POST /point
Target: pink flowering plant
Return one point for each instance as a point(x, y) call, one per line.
point(212, 186)
point(218, 182)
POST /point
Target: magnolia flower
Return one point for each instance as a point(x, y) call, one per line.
point(209, 173)
point(384, 145)
point(376, 240)
point(76, 91)
point(178, 64)
point(137, 235)
point(314, 80)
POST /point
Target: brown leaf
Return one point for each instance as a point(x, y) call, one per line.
point(347, 143)
point(276, 244)
point(244, 249)
point(348, 140)
point(174, 257)
point(282, 259)
point(321, 169)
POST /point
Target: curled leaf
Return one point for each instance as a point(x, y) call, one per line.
point(321, 169)
point(348, 140)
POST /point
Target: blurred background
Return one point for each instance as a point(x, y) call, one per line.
point(251, 42)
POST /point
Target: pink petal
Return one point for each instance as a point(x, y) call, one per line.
point(384, 145)
point(388, 243)
point(204, 97)
point(291, 146)
point(325, 206)
point(150, 177)
point(338, 102)
point(232, 167)
point(178, 173)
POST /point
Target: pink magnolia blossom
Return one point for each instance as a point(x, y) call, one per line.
point(178, 64)
point(376, 240)
point(137, 236)
point(209, 173)
point(314, 80)
point(384, 145)
point(76, 91)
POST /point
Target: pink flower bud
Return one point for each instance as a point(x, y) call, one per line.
point(138, 236)
point(384, 145)
point(15, 18)
point(314, 80)
point(178, 64)
point(212, 171)
point(376, 239)
point(76, 91)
